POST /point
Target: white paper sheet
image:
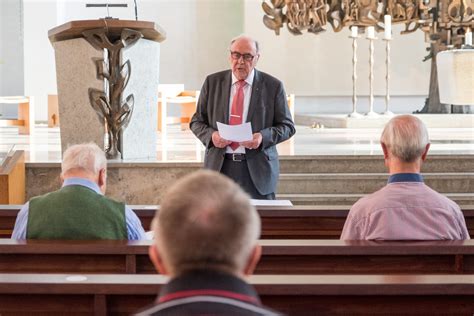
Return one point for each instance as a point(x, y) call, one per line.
point(235, 133)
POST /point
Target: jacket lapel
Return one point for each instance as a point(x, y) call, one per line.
point(225, 88)
point(255, 97)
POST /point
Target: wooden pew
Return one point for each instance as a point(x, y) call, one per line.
point(279, 257)
point(293, 295)
point(282, 222)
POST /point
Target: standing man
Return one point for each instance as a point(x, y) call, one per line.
point(79, 210)
point(244, 94)
point(406, 208)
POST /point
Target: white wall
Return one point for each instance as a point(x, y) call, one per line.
point(322, 64)
point(40, 71)
point(11, 53)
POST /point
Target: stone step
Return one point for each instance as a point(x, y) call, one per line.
point(369, 164)
point(349, 199)
point(353, 183)
point(144, 183)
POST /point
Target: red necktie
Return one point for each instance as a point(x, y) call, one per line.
point(237, 110)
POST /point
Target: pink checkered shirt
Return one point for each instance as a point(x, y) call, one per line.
point(405, 211)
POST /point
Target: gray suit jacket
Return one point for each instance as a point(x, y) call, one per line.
point(268, 114)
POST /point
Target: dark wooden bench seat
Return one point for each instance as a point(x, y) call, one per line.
point(295, 295)
point(278, 222)
point(279, 257)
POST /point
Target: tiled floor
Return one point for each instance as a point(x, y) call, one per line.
point(44, 144)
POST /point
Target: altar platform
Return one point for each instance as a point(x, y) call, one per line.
point(43, 146)
point(379, 120)
point(319, 166)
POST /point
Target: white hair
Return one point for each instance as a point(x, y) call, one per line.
point(406, 137)
point(243, 36)
point(87, 157)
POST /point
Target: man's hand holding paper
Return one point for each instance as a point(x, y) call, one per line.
point(254, 143)
point(241, 134)
point(235, 133)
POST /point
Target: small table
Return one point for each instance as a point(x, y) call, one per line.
point(26, 117)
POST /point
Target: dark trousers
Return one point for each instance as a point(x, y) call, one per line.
point(239, 172)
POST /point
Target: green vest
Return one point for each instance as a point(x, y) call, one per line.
point(75, 212)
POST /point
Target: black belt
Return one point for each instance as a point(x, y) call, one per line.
point(235, 157)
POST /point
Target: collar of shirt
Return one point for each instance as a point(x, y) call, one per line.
point(248, 80)
point(208, 282)
point(84, 182)
point(405, 177)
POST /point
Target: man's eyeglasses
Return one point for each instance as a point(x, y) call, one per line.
point(246, 57)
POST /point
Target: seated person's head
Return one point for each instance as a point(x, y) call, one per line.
point(206, 221)
point(85, 161)
point(405, 139)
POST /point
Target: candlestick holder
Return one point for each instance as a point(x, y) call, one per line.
point(387, 77)
point(354, 77)
point(371, 76)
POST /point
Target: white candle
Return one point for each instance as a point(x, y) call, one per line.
point(388, 26)
point(370, 32)
point(468, 38)
point(354, 31)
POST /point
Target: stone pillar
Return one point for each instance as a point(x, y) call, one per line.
point(140, 137)
point(76, 73)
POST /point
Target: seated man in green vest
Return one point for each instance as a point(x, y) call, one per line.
point(79, 210)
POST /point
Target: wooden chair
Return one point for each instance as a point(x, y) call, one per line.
point(175, 94)
point(53, 110)
point(26, 116)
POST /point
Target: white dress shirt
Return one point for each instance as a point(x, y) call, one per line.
point(247, 95)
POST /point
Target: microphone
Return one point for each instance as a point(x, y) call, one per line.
point(136, 10)
point(107, 6)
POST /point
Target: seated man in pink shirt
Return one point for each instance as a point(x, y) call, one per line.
point(406, 208)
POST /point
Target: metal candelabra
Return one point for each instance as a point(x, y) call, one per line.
point(354, 113)
point(387, 77)
point(371, 39)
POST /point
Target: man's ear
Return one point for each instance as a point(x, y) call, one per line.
point(385, 150)
point(425, 153)
point(156, 259)
point(255, 61)
point(102, 179)
point(254, 258)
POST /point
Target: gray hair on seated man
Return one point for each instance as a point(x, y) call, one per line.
point(85, 161)
point(206, 222)
point(406, 137)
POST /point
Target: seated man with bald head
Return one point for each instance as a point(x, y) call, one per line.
point(406, 208)
point(206, 236)
point(79, 210)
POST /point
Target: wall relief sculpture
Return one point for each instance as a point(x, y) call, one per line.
point(444, 23)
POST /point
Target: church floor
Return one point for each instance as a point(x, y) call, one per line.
point(44, 144)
